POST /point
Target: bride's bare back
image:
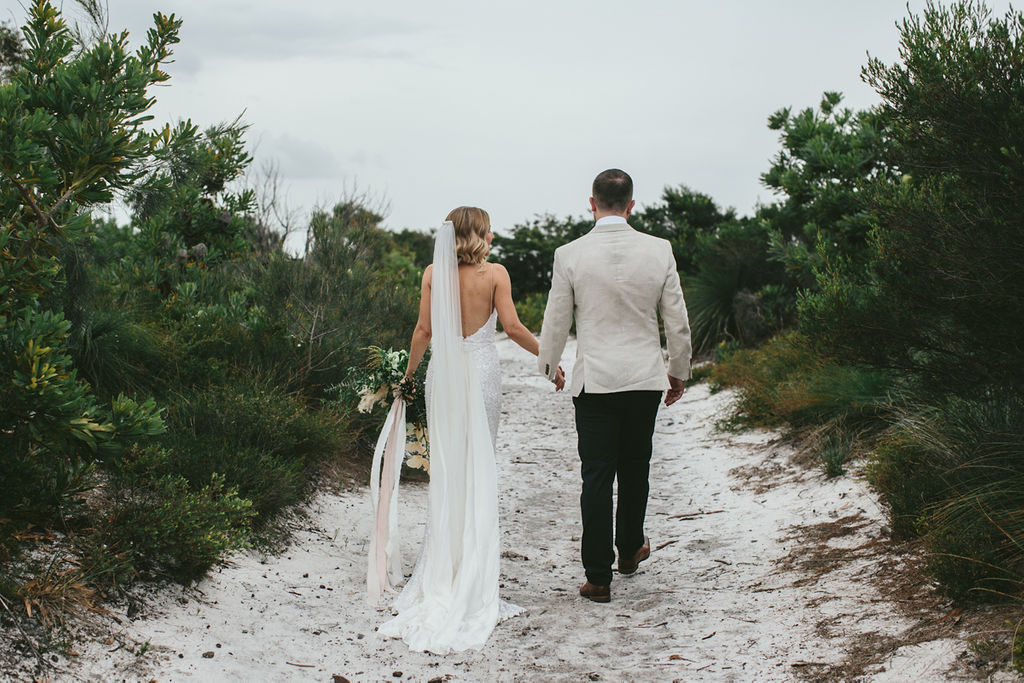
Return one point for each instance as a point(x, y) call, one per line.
point(483, 288)
point(476, 295)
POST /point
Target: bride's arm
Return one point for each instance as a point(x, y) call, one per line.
point(421, 335)
point(515, 330)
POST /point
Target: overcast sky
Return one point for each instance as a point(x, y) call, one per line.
point(511, 106)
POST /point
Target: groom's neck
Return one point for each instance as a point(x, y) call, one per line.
point(598, 215)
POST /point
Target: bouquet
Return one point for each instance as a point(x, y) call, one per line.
point(381, 377)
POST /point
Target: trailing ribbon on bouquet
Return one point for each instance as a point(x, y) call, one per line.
point(384, 566)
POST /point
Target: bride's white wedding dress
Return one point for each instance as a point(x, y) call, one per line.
point(451, 601)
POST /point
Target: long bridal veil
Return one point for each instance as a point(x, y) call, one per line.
point(451, 602)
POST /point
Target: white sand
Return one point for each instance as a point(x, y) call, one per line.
point(710, 604)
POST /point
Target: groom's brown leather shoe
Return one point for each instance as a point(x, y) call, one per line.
point(596, 593)
point(629, 566)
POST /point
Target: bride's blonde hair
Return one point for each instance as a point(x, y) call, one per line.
point(471, 228)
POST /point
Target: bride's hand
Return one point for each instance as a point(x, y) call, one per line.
point(407, 389)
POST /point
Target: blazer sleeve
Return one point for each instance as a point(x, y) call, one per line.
point(677, 324)
point(557, 319)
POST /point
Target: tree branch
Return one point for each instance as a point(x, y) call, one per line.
point(28, 198)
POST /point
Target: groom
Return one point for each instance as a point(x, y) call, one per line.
point(614, 281)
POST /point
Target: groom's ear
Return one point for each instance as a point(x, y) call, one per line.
point(593, 205)
point(629, 209)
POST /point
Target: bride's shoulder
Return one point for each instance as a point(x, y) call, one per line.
point(500, 273)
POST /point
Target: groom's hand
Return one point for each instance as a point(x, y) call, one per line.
point(675, 390)
point(559, 380)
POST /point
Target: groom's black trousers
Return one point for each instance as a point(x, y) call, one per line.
point(614, 432)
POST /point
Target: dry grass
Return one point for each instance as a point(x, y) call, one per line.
point(50, 582)
point(896, 571)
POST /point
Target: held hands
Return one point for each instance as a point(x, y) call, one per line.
point(675, 391)
point(559, 380)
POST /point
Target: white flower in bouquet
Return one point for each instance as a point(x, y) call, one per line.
point(367, 400)
point(417, 451)
point(395, 362)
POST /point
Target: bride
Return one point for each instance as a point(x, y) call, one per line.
point(451, 601)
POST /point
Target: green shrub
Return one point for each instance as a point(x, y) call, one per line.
point(976, 540)
point(935, 296)
point(189, 303)
point(531, 311)
point(116, 353)
point(857, 396)
point(735, 292)
point(72, 134)
point(43, 405)
point(762, 377)
point(53, 426)
point(836, 449)
point(262, 441)
point(271, 482)
point(701, 372)
point(220, 330)
point(902, 473)
point(955, 474)
point(41, 489)
point(253, 414)
point(786, 382)
point(340, 299)
point(169, 525)
point(709, 296)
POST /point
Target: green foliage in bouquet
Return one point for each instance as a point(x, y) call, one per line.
point(367, 390)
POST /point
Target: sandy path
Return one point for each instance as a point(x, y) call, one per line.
point(726, 595)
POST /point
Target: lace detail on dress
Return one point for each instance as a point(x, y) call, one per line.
point(485, 356)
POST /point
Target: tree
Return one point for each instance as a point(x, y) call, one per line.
point(940, 298)
point(12, 51)
point(682, 217)
point(529, 252)
point(71, 136)
point(826, 157)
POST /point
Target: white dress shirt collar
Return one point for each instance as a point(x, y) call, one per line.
point(610, 220)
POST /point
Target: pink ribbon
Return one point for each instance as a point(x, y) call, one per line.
point(384, 565)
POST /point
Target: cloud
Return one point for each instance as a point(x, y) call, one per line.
point(297, 158)
point(265, 32)
point(213, 33)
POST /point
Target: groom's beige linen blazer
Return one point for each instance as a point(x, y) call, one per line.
point(614, 281)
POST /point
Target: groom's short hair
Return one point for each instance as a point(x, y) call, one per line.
point(613, 190)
